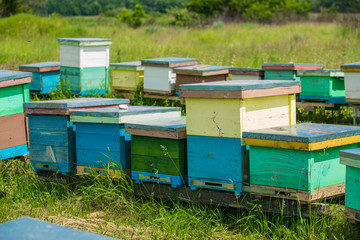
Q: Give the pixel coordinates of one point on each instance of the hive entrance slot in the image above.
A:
(282, 193)
(213, 184)
(154, 178)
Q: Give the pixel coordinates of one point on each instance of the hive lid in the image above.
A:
(11, 78)
(291, 66)
(303, 136)
(350, 157)
(169, 62)
(84, 41)
(174, 128)
(62, 107)
(247, 71)
(202, 70)
(27, 228)
(40, 67)
(351, 67)
(127, 66)
(320, 73)
(118, 115)
(240, 89)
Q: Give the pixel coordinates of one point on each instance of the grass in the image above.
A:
(110, 207)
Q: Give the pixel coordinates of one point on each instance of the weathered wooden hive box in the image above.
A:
(84, 64)
(27, 228)
(159, 77)
(52, 134)
(300, 161)
(352, 83)
(46, 76)
(101, 141)
(217, 114)
(158, 151)
(127, 76)
(286, 71)
(14, 91)
(200, 74)
(246, 73)
(351, 158)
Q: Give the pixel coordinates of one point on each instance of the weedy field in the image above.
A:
(109, 207)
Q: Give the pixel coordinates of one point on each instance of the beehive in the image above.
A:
(322, 85)
(351, 158)
(299, 162)
(217, 114)
(286, 71)
(158, 151)
(14, 91)
(52, 134)
(352, 86)
(200, 74)
(84, 64)
(246, 73)
(158, 73)
(45, 76)
(127, 76)
(101, 142)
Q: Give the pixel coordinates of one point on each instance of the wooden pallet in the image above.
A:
(294, 194)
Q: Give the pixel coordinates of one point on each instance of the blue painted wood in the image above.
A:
(28, 229)
(164, 125)
(173, 180)
(127, 66)
(75, 103)
(214, 185)
(9, 75)
(45, 82)
(239, 85)
(202, 68)
(12, 152)
(115, 112)
(38, 66)
(102, 146)
(355, 65)
(304, 132)
(167, 60)
(326, 99)
(215, 159)
(52, 143)
(351, 153)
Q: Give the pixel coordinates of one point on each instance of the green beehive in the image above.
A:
(286, 71)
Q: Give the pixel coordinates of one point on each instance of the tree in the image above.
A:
(8, 7)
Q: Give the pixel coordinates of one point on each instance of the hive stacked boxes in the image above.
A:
(351, 158)
(246, 73)
(101, 141)
(352, 86)
(52, 134)
(159, 77)
(286, 71)
(218, 113)
(200, 74)
(322, 85)
(127, 76)
(299, 162)
(14, 91)
(84, 64)
(158, 151)
(45, 76)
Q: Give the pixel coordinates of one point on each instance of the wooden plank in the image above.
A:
(169, 62)
(352, 214)
(352, 187)
(228, 199)
(40, 67)
(202, 70)
(84, 41)
(310, 106)
(12, 130)
(159, 80)
(188, 79)
(352, 87)
(351, 153)
(154, 133)
(350, 162)
(291, 66)
(350, 67)
(12, 152)
(6, 75)
(12, 82)
(130, 66)
(12, 99)
(50, 111)
(320, 73)
(247, 71)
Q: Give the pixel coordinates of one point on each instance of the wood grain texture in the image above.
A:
(13, 130)
(12, 99)
(40, 67)
(187, 79)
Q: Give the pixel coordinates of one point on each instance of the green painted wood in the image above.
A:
(304, 132)
(238, 85)
(279, 75)
(84, 41)
(295, 169)
(322, 86)
(352, 188)
(12, 99)
(165, 156)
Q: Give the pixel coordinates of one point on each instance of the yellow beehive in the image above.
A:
(127, 76)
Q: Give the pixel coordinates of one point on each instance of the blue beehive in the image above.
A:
(52, 134)
(101, 142)
(46, 76)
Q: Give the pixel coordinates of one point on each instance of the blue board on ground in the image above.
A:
(215, 163)
(9, 75)
(173, 180)
(304, 132)
(12, 152)
(28, 229)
